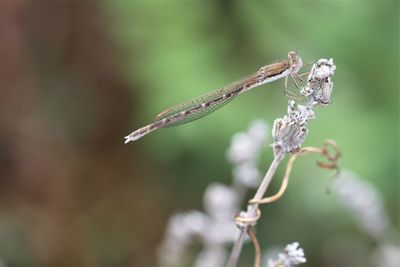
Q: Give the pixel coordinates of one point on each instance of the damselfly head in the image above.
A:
(295, 61)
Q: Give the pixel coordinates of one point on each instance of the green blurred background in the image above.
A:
(77, 76)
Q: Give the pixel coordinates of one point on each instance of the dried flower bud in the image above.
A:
(244, 152)
(364, 202)
(290, 131)
(319, 85)
(293, 255)
(220, 201)
(323, 69)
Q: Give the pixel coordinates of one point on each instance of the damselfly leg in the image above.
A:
(310, 63)
(304, 74)
(294, 80)
(291, 94)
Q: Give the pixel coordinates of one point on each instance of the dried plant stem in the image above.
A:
(284, 185)
(252, 208)
(257, 250)
(332, 164)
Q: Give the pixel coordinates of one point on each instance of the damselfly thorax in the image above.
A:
(201, 106)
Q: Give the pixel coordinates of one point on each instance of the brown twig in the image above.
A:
(283, 187)
(252, 210)
(257, 250)
(323, 151)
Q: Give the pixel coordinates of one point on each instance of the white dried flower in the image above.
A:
(319, 85)
(242, 148)
(181, 230)
(387, 255)
(211, 257)
(364, 202)
(247, 174)
(220, 201)
(293, 255)
(246, 145)
(214, 229)
(323, 69)
(258, 130)
(244, 152)
(290, 131)
(220, 233)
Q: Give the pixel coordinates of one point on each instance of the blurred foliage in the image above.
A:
(75, 77)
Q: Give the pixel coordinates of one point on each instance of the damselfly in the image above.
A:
(201, 106)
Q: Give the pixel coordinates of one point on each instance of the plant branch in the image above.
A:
(323, 151)
(257, 250)
(252, 209)
(289, 133)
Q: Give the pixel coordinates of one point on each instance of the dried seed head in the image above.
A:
(290, 131)
(292, 255)
(319, 85)
(324, 68)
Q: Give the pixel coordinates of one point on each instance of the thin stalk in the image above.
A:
(252, 208)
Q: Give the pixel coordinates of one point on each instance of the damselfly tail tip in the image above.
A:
(127, 139)
(139, 133)
(130, 138)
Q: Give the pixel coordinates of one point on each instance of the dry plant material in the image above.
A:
(289, 133)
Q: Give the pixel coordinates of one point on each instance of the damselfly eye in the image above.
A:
(292, 55)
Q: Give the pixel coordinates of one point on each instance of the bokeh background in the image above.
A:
(77, 76)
